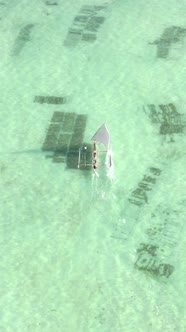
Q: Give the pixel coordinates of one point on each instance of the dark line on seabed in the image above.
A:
(23, 151)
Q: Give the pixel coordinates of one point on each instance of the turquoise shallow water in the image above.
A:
(80, 253)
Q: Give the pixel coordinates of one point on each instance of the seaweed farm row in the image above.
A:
(139, 195)
(165, 223)
(55, 100)
(162, 236)
(88, 21)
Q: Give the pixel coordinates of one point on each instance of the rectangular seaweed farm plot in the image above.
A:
(54, 129)
(51, 137)
(94, 23)
(80, 19)
(74, 36)
(72, 159)
(63, 143)
(50, 100)
(76, 142)
(152, 113)
(68, 123)
(57, 117)
(22, 38)
(89, 37)
(150, 263)
(85, 157)
(49, 143)
(80, 123)
(85, 152)
(78, 133)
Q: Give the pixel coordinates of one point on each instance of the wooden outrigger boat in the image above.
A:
(102, 137)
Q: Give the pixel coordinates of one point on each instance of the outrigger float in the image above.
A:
(102, 136)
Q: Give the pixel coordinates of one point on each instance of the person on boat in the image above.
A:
(94, 159)
(94, 163)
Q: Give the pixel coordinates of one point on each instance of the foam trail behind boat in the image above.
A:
(110, 165)
(94, 184)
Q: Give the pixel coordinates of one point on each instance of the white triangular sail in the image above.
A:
(102, 136)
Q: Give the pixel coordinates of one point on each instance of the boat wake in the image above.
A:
(102, 182)
(110, 165)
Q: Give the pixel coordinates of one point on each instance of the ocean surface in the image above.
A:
(82, 253)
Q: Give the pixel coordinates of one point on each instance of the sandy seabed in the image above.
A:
(80, 253)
